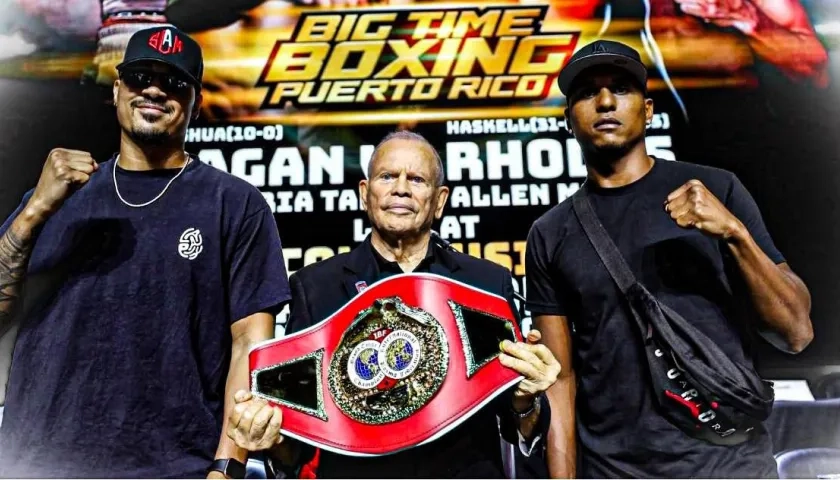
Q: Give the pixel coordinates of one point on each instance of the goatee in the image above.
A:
(149, 136)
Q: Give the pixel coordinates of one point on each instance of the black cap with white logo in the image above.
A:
(602, 52)
(168, 45)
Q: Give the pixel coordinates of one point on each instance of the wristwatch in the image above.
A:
(529, 411)
(229, 467)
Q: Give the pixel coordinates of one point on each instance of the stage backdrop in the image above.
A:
(296, 96)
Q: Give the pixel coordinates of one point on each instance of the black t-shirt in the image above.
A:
(620, 433)
(120, 365)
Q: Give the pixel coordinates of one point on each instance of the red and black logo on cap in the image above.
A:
(169, 45)
(166, 42)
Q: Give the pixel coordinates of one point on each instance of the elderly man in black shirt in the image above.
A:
(403, 195)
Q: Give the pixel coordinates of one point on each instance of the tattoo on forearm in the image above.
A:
(14, 258)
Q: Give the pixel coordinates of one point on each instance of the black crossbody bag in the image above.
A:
(697, 387)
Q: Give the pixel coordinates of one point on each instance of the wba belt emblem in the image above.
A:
(408, 359)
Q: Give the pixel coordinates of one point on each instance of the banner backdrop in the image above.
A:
(297, 94)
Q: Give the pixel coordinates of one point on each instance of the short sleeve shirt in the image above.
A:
(121, 360)
(619, 430)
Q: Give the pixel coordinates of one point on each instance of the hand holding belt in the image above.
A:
(401, 364)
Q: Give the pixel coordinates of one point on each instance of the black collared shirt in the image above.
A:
(386, 268)
(471, 450)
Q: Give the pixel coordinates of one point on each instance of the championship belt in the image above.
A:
(401, 364)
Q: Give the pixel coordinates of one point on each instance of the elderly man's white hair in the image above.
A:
(416, 137)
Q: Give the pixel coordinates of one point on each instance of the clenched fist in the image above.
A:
(254, 425)
(693, 205)
(64, 172)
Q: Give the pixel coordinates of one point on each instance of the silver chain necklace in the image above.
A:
(133, 205)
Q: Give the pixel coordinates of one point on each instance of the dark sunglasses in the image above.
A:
(168, 82)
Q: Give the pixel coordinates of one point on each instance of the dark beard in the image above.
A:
(149, 136)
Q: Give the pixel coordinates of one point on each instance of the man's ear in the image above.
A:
(197, 105)
(116, 90)
(567, 114)
(442, 195)
(363, 190)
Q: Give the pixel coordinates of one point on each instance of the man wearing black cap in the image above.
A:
(694, 237)
(140, 284)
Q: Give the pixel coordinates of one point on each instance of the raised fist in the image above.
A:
(694, 206)
(64, 172)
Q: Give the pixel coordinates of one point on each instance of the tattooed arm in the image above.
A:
(15, 249)
(65, 171)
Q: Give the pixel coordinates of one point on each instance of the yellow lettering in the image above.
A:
(343, 91)
(408, 58)
(465, 85)
(477, 50)
(497, 252)
(519, 247)
(498, 83)
(523, 63)
(470, 21)
(318, 28)
(525, 18)
(297, 62)
(336, 69)
(284, 91)
(362, 30)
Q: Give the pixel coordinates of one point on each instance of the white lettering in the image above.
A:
(519, 193)
(469, 222)
(450, 227)
(553, 151)
(329, 197)
(706, 416)
(660, 146)
(499, 199)
(285, 198)
(332, 164)
(565, 191)
(269, 199)
(497, 160)
(500, 196)
(688, 395)
(239, 166)
(365, 154)
(460, 156)
(214, 157)
(480, 199)
(348, 201)
(360, 232)
(286, 164)
(304, 202)
(577, 168)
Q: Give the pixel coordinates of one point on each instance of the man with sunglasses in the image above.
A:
(139, 285)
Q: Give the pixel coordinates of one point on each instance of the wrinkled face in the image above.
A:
(154, 102)
(607, 110)
(400, 196)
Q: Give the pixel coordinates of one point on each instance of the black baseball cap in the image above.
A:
(169, 45)
(602, 52)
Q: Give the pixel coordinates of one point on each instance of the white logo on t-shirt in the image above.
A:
(189, 246)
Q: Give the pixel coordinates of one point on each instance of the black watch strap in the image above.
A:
(229, 467)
